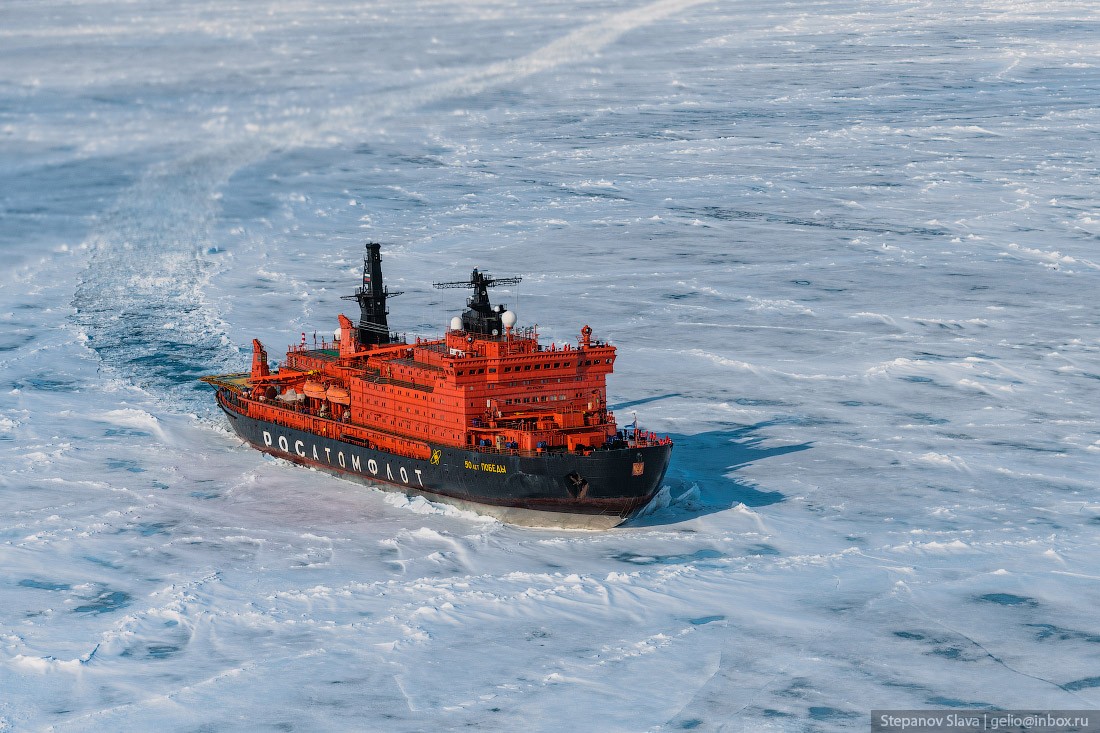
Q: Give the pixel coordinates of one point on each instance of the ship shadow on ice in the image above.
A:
(702, 476)
(634, 403)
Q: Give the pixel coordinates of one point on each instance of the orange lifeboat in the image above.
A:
(338, 395)
(316, 390)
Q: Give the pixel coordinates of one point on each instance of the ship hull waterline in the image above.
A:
(597, 491)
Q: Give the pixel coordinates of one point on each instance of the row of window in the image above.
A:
(413, 427)
(542, 398)
(529, 367)
(525, 383)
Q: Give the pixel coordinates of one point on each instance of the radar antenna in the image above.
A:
(481, 317)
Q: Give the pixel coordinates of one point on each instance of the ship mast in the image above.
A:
(481, 317)
(373, 328)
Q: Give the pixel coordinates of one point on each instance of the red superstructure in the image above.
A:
(464, 390)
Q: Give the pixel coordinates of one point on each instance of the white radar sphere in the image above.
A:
(508, 318)
(336, 335)
(456, 324)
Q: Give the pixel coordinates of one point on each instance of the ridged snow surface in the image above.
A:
(847, 251)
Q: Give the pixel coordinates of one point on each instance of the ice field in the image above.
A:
(847, 250)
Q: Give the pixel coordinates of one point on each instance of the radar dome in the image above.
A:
(508, 318)
(336, 335)
(456, 324)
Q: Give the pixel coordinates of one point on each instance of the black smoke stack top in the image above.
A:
(373, 328)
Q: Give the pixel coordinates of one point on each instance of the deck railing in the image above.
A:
(339, 430)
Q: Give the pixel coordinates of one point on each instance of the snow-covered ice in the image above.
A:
(847, 251)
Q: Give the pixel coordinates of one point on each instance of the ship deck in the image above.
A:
(236, 381)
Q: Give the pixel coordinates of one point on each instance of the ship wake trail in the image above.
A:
(579, 45)
(140, 302)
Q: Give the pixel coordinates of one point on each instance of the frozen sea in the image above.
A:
(848, 251)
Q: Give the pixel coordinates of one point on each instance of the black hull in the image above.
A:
(595, 491)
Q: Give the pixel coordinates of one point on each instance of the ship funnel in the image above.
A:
(373, 327)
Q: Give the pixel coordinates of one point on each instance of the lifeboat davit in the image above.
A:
(338, 395)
